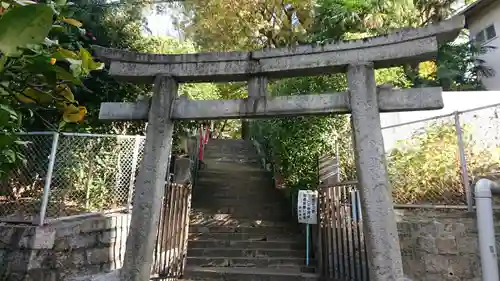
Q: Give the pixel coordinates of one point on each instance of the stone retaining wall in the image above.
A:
(436, 245)
(440, 245)
(62, 249)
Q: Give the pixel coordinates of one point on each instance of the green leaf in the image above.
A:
(52, 73)
(24, 25)
(62, 124)
(4, 119)
(65, 75)
(65, 54)
(24, 2)
(76, 67)
(88, 63)
(9, 110)
(9, 156)
(3, 60)
(61, 2)
(22, 143)
(6, 140)
(57, 28)
(35, 48)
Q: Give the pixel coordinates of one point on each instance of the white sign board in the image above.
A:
(307, 206)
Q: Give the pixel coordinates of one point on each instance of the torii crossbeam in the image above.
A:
(364, 100)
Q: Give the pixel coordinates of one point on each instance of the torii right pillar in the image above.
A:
(380, 229)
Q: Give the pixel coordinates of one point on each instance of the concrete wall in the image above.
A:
(63, 249)
(440, 245)
(485, 18)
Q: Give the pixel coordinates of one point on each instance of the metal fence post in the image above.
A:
(463, 162)
(48, 180)
(135, 159)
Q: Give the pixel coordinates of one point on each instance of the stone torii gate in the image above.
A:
(363, 100)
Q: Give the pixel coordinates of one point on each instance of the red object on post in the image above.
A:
(200, 152)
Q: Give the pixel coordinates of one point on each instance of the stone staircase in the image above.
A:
(241, 228)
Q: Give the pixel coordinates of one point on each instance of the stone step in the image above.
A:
(243, 252)
(232, 160)
(195, 228)
(270, 212)
(229, 146)
(239, 153)
(243, 194)
(201, 217)
(246, 274)
(231, 149)
(245, 262)
(243, 184)
(212, 216)
(227, 143)
(244, 236)
(244, 209)
(284, 244)
(226, 199)
(246, 214)
(222, 167)
(281, 244)
(250, 175)
(236, 186)
(231, 155)
(229, 169)
(214, 155)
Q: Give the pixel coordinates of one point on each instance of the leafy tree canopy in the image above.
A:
(295, 143)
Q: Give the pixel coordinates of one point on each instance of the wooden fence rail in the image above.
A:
(171, 247)
(341, 250)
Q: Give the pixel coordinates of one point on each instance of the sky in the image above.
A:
(161, 24)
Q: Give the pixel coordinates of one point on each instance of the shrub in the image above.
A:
(426, 167)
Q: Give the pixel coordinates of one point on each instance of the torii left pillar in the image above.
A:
(150, 185)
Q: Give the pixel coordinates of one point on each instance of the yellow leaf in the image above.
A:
(69, 107)
(72, 22)
(65, 54)
(24, 99)
(71, 115)
(427, 69)
(30, 95)
(64, 91)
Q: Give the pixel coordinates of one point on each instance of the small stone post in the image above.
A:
(257, 87)
(381, 234)
(150, 186)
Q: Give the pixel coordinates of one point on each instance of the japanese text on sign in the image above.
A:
(307, 206)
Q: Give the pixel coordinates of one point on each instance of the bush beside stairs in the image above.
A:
(241, 226)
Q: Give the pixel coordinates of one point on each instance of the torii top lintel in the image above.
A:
(396, 48)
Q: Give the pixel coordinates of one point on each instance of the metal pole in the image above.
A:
(133, 171)
(463, 162)
(486, 229)
(337, 161)
(307, 243)
(48, 180)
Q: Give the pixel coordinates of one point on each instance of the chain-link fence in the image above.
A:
(68, 174)
(437, 160)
